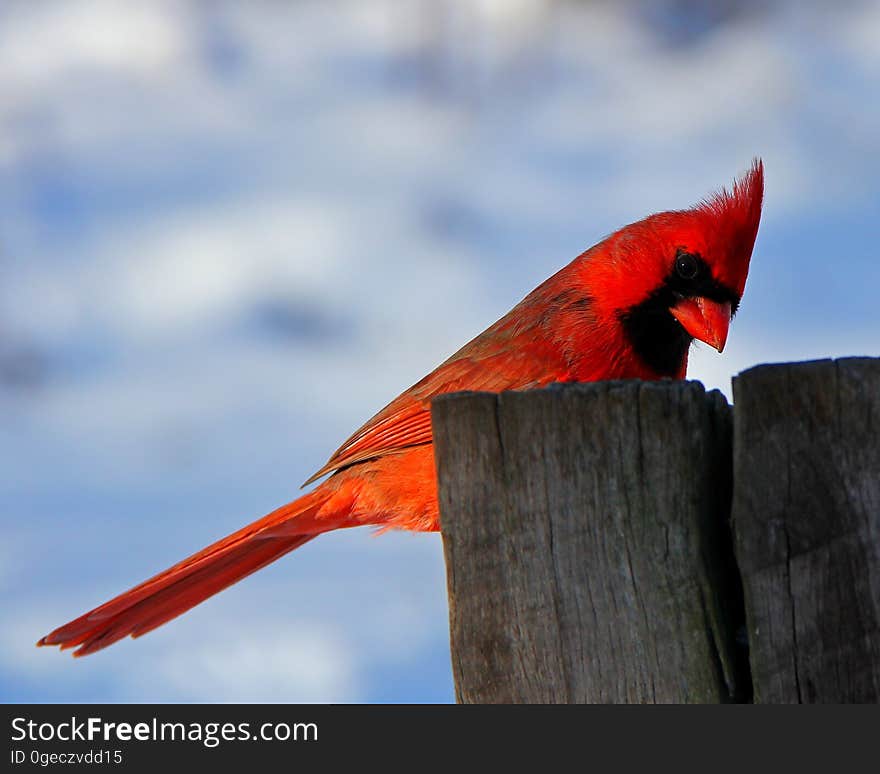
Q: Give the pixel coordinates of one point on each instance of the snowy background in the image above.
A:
(230, 232)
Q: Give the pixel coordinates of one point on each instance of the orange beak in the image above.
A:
(705, 320)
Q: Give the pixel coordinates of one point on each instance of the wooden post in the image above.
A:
(807, 523)
(587, 547)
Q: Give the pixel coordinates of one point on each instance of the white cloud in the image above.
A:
(249, 660)
(858, 31)
(282, 663)
(44, 43)
(205, 268)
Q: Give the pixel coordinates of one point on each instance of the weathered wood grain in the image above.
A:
(587, 548)
(806, 516)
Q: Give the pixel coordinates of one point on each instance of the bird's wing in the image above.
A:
(406, 421)
(408, 426)
(519, 352)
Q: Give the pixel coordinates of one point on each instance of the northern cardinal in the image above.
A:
(629, 307)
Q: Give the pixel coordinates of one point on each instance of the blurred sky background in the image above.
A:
(232, 231)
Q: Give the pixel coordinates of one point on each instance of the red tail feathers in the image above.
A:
(186, 584)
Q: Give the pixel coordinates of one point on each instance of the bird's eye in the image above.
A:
(686, 266)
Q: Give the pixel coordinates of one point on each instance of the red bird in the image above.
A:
(627, 308)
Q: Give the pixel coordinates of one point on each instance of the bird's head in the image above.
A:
(678, 276)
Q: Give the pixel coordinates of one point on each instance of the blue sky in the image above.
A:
(230, 232)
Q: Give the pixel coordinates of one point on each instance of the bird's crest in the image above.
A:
(733, 217)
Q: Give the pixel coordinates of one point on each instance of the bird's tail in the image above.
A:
(181, 587)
